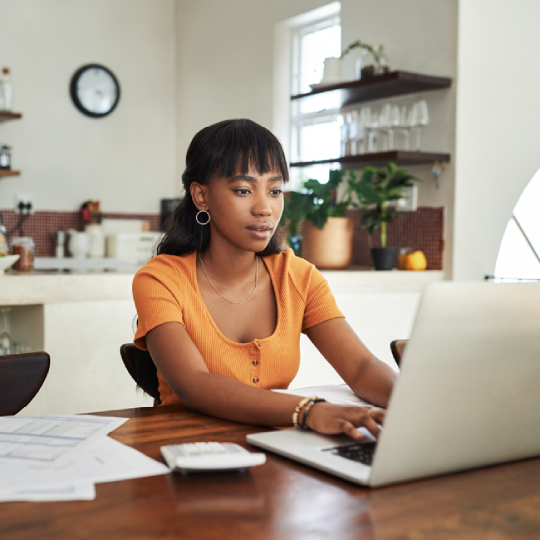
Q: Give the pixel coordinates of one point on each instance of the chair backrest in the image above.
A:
(21, 377)
(142, 369)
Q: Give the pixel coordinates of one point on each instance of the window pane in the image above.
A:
(516, 258)
(319, 141)
(527, 214)
(314, 48)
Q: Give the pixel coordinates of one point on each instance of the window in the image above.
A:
(315, 131)
(519, 254)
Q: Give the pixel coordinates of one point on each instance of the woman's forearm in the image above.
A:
(227, 398)
(374, 382)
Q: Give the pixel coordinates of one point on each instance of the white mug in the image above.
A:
(78, 244)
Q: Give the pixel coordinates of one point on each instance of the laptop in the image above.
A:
(467, 396)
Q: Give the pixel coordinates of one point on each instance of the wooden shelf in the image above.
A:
(394, 83)
(9, 172)
(7, 115)
(399, 157)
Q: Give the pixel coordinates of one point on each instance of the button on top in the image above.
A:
(255, 379)
(255, 362)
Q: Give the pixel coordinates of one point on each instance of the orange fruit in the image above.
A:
(415, 261)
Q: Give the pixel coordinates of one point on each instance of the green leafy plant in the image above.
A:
(317, 202)
(377, 53)
(374, 189)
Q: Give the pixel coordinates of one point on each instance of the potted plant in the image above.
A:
(375, 190)
(315, 223)
(379, 65)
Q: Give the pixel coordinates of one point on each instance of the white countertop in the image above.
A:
(41, 288)
(52, 288)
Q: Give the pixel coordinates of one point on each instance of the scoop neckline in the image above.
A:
(211, 319)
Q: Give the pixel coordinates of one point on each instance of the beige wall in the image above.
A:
(498, 117)
(126, 159)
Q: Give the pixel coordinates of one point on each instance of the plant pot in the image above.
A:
(331, 247)
(384, 258)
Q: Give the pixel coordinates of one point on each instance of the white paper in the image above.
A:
(106, 460)
(50, 439)
(78, 492)
(333, 393)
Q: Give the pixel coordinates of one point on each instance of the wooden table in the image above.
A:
(279, 500)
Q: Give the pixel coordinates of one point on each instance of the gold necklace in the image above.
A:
(230, 301)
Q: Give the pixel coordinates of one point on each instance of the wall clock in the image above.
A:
(95, 90)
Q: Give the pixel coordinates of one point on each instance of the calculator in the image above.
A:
(210, 456)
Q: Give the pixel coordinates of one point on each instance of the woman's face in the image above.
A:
(245, 209)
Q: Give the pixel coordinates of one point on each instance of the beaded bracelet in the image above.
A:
(299, 408)
(302, 424)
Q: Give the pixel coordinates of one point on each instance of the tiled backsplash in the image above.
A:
(423, 230)
(41, 226)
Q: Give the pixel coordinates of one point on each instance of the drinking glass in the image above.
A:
(404, 124)
(395, 122)
(5, 336)
(344, 135)
(421, 120)
(353, 132)
(364, 122)
(385, 126)
(372, 125)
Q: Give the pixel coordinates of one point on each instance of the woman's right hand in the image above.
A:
(331, 419)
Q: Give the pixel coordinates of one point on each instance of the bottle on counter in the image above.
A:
(6, 90)
(24, 247)
(60, 243)
(3, 237)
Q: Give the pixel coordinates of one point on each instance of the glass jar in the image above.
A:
(24, 247)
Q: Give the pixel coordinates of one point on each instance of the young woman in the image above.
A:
(222, 306)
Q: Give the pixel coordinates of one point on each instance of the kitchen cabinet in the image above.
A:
(392, 84)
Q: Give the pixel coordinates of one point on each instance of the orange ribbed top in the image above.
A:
(166, 290)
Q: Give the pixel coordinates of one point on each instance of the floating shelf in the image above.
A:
(399, 157)
(8, 115)
(8, 172)
(394, 83)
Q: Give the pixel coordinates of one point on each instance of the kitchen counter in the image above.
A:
(81, 320)
(50, 288)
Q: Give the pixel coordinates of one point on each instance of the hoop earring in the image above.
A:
(200, 222)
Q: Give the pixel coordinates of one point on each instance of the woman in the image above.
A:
(222, 306)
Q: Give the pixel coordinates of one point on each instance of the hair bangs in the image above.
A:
(241, 144)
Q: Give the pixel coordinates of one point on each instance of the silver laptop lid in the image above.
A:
(469, 390)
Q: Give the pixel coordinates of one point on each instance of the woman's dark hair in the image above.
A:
(226, 148)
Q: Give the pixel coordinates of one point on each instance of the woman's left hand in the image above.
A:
(331, 419)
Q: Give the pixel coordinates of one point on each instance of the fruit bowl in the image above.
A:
(6, 261)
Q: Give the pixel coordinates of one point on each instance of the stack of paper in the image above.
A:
(333, 393)
(46, 458)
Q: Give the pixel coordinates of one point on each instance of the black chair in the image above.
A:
(142, 369)
(21, 377)
(398, 347)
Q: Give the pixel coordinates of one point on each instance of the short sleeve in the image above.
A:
(320, 302)
(157, 301)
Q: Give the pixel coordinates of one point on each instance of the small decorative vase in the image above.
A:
(97, 240)
(330, 247)
(384, 258)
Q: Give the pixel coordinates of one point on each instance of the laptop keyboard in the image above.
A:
(361, 452)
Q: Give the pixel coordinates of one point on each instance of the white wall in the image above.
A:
(127, 160)
(225, 66)
(498, 115)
